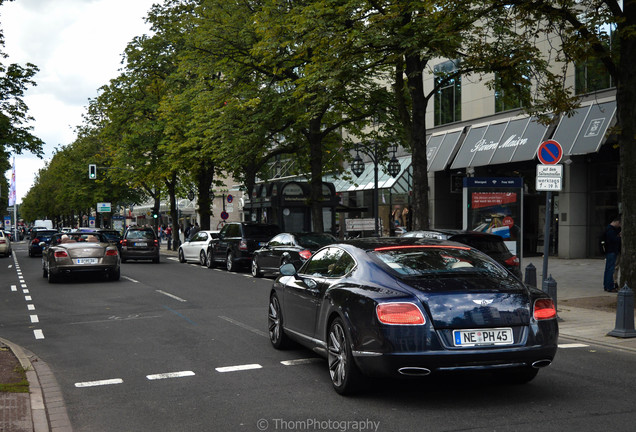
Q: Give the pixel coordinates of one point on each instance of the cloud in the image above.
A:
(78, 47)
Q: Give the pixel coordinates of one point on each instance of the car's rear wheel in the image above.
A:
(115, 275)
(345, 376)
(229, 262)
(202, 258)
(256, 270)
(52, 278)
(181, 256)
(277, 335)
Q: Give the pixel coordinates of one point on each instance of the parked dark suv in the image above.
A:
(237, 242)
(490, 244)
(140, 244)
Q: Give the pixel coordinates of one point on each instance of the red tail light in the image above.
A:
(124, 243)
(512, 261)
(305, 254)
(35, 241)
(544, 309)
(2, 241)
(156, 243)
(243, 245)
(60, 254)
(399, 313)
(111, 252)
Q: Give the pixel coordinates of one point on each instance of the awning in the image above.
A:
(440, 148)
(366, 180)
(583, 133)
(512, 140)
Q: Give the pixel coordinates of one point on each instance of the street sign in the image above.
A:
(224, 215)
(549, 178)
(550, 152)
(103, 207)
(230, 198)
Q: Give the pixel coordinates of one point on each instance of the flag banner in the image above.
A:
(12, 194)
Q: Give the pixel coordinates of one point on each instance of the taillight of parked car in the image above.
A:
(111, 252)
(512, 261)
(35, 241)
(305, 254)
(399, 314)
(544, 309)
(60, 254)
(156, 243)
(243, 245)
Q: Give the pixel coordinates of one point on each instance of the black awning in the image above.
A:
(585, 131)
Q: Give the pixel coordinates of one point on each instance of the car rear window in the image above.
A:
(140, 234)
(421, 260)
(486, 245)
(314, 240)
(261, 230)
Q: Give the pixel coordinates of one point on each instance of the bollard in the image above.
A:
(550, 288)
(531, 275)
(624, 314)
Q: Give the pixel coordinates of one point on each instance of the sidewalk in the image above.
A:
(586, 312)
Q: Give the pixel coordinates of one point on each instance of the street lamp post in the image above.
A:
(357, 167)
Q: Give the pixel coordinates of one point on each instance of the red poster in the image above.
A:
(488, 199)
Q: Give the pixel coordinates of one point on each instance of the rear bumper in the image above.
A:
(401, 364)
(127, 253)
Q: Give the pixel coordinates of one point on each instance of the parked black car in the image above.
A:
(490, 244)
(295, 248)
(38, 237)
(410, 307)
(140, 243)
(237, 242)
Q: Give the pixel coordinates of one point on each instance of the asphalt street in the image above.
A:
(179, 347)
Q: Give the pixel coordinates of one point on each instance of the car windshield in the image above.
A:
(140, 234)
(77, 238)
(422, 260)
(312, 240)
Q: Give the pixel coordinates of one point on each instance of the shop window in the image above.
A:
(448, 107)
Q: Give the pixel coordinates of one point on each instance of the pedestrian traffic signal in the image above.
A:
(92, 171)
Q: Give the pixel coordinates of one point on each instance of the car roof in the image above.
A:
(458, 232)
(371, 243)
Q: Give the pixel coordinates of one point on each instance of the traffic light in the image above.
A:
(92, 171)
(155, 215)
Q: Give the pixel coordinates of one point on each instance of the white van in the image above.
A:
(44, 223)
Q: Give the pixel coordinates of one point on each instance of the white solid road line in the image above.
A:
(171, 296)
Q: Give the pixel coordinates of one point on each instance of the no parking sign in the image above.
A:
(550, 152)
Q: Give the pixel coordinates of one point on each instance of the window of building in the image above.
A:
(448, 98)
(591, 76)
(509, 95)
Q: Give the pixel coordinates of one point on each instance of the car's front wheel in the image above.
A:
(52, 278)
(345, 376)
(202, 258)
(181, 256)
(277, 335)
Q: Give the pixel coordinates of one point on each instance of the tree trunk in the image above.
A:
(315, 185)
(420, 207)
(626, 115)
(205, 177)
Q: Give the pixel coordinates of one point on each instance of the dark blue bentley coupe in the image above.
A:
(412, 307)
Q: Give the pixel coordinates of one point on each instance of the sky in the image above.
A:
(78, 47)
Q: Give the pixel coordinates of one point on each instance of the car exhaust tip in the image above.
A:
(541, 364)
(414, 371)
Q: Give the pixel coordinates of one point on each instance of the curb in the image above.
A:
(42, 387)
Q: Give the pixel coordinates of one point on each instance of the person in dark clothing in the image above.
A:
(612, 246)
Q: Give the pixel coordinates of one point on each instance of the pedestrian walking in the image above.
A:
(611, 246)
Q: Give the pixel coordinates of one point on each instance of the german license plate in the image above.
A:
(86, 261)
(478, 337)
(141, 244)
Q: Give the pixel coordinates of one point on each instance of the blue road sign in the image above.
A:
(550, 152)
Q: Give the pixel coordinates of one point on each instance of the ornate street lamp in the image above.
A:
(357, 167)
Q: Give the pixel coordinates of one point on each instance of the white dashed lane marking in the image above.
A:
(238, 368)
(170, 375)
(573, 345)
(99, 383)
